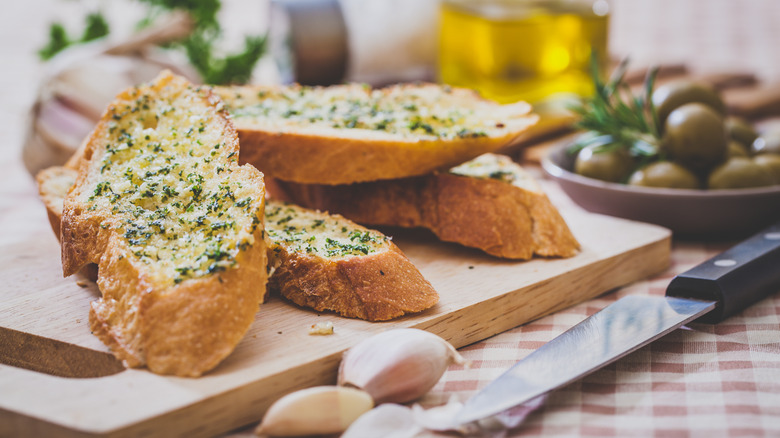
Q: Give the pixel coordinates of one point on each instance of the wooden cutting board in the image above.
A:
(480, 296)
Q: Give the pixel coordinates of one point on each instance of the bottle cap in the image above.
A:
(308, 41)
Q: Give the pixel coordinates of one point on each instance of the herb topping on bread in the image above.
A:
(410, 112)
(310, 232)
(327, 262)
(174, 224)
(490, 203)
(362, 134)
(498, 167)
(341, 252)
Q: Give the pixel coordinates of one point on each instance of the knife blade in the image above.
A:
(709, 293)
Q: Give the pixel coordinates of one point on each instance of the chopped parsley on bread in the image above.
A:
(352, 133)
(489, 203)
(328, 263)
(174, 224)
(316, 260)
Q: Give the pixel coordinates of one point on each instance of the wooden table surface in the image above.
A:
(713, 381)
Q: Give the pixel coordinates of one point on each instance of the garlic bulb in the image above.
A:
(79, 82)
(315, 411)
(398, 365)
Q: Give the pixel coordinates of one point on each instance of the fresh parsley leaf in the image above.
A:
(96, 27)
(204, 12)
(199, 46)
(235, 68)
(58, 40)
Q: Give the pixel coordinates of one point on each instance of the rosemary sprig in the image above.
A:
(616, 118)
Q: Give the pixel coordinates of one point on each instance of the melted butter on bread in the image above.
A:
(171, 192)
(328, 263)
(174, 225)
(312, 232)
(409, 111)
(498, 167)
(360, 134)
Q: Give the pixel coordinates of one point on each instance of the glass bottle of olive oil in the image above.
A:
(530, 50)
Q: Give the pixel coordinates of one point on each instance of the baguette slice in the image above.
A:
(53, 185)
(327, 262)
(360, 134)
(489, 203)
(174, 224)
(370, 280)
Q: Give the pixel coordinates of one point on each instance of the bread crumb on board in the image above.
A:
(321, 328)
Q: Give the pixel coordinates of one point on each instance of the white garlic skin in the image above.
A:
(315, 411)
(397, 366)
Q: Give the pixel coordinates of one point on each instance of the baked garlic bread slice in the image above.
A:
(322, 261)
(174, 224)
(351, 133)
(326, 262)
(489, 203)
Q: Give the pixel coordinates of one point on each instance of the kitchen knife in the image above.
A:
(710, 292)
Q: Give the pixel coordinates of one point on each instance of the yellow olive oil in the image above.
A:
(512, 50)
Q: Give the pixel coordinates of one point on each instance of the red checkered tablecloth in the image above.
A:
(702, 380)
(698, 381)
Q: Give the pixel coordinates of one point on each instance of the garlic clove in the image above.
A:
(61, 125)
(398, 365)
(315, 411)
(80, 81)
(88, 86)
(385, 421)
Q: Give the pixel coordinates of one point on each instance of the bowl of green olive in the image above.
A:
(671, 157)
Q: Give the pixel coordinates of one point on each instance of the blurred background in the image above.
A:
(706, 34)
(508, 50)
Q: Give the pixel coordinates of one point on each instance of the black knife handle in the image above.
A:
(736, 278)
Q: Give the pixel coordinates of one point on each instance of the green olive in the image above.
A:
(613, 164)
(767, 143)
(664, 174)
(695, 136)
(736, 149)
(737, 173)
(673, 95)
(740, 130)
(770, 163)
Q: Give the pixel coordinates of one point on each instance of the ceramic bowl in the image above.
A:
(699, 214)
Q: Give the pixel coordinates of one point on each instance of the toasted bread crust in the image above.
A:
(285, 149)
(186, 330)
(349, 160)
(184, 327)
(53, 185)
(496, 217)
